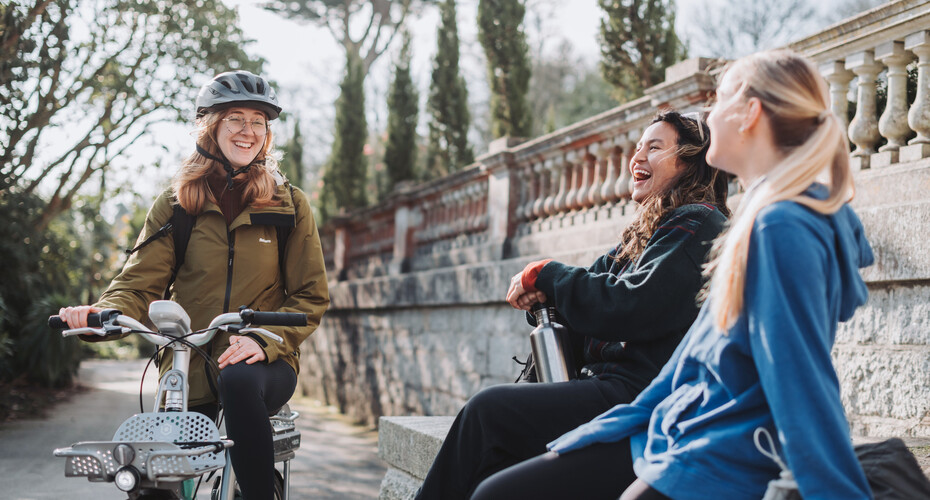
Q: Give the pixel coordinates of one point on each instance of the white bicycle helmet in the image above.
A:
(237, 88)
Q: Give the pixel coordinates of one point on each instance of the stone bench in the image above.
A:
(408, 445)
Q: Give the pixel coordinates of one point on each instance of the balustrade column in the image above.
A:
(482, 219)
(893, 122)
(558, 203)
(622, 187)
(599, 165)
(527, 192)
(341, 251)
(474, 211)
(555, 185)
(863, 129)
(589, 163)
(919, 116)
(839, 77)
(614, 157)
(573, 177)
(543, 176)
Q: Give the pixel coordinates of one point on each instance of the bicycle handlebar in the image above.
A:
(97, 324)
(56, 323)
(273, 318)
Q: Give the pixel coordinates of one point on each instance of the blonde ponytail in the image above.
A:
(812, 143)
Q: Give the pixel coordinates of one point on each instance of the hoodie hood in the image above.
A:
(853, 252)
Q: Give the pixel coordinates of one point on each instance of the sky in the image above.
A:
(307, 64)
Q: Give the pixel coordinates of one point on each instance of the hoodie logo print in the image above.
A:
(263, 240)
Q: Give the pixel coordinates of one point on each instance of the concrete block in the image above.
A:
(883, 159)
(398, 485)
(411, 443)
(914, 152)
(898, 235)
(896, 315)
(859, 163)
(885, 389)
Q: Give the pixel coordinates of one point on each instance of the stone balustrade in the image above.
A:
(883, 41)
(418, 323)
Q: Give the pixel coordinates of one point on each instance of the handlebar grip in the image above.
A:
(279, 318)
(56, 323)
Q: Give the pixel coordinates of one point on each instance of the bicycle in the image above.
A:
(159, 454)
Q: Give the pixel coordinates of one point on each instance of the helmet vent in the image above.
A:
(246, 83)
(260, 87)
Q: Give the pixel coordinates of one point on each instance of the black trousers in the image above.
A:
(506, 424)
(249, 394)
(602, 471)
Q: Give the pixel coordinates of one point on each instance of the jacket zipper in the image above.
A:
(231, 238)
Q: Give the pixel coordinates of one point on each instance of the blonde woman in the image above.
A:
(758, 355)
(232, 185)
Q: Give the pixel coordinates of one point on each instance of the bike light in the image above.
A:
(127, 478)
(123, 454)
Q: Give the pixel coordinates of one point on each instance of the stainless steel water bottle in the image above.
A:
(550, 347)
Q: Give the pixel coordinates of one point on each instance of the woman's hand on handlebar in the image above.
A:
(519, 298)
(76, 317)
(241, 348)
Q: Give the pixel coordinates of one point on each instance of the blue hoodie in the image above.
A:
(691, 430)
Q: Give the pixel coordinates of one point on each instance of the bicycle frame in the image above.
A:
(159, 450)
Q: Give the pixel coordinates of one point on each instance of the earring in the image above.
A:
(742, 130)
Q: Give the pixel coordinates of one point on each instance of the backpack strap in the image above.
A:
(183, 225)
(283, 233)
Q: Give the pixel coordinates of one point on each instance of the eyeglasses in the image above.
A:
(236, 124)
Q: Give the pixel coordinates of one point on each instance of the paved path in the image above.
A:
(337, 460)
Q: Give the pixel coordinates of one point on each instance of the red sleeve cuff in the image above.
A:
(530, 273)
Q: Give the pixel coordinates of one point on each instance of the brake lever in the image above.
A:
(262, 331)
(100, 332)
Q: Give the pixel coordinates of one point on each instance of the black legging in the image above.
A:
(506, 424)
(249, 394)
(600, 471)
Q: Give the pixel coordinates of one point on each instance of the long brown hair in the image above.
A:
(698, 183)
(190, 183)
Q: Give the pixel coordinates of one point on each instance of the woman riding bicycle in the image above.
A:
(232, 186)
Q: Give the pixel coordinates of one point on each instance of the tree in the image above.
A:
(293, 162)
(735, 28)
(345, 178)
(504, 42)
(638, 42)
(565, 89)
(400, 152)
(381, 20)
(72, 105)
(447, 105)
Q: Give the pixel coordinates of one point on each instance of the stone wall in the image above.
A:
(418, 323)
(423, 342)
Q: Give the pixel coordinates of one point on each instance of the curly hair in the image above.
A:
(698, 183)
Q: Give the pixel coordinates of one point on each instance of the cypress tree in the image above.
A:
(506, 50)
(638, 42)
(447, 105)
(400, 152)
(346, 172)
(292, 165)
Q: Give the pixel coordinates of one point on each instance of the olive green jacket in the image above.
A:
(226, 267)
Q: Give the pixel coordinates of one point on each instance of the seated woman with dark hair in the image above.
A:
(757, 360)
(627, 311)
